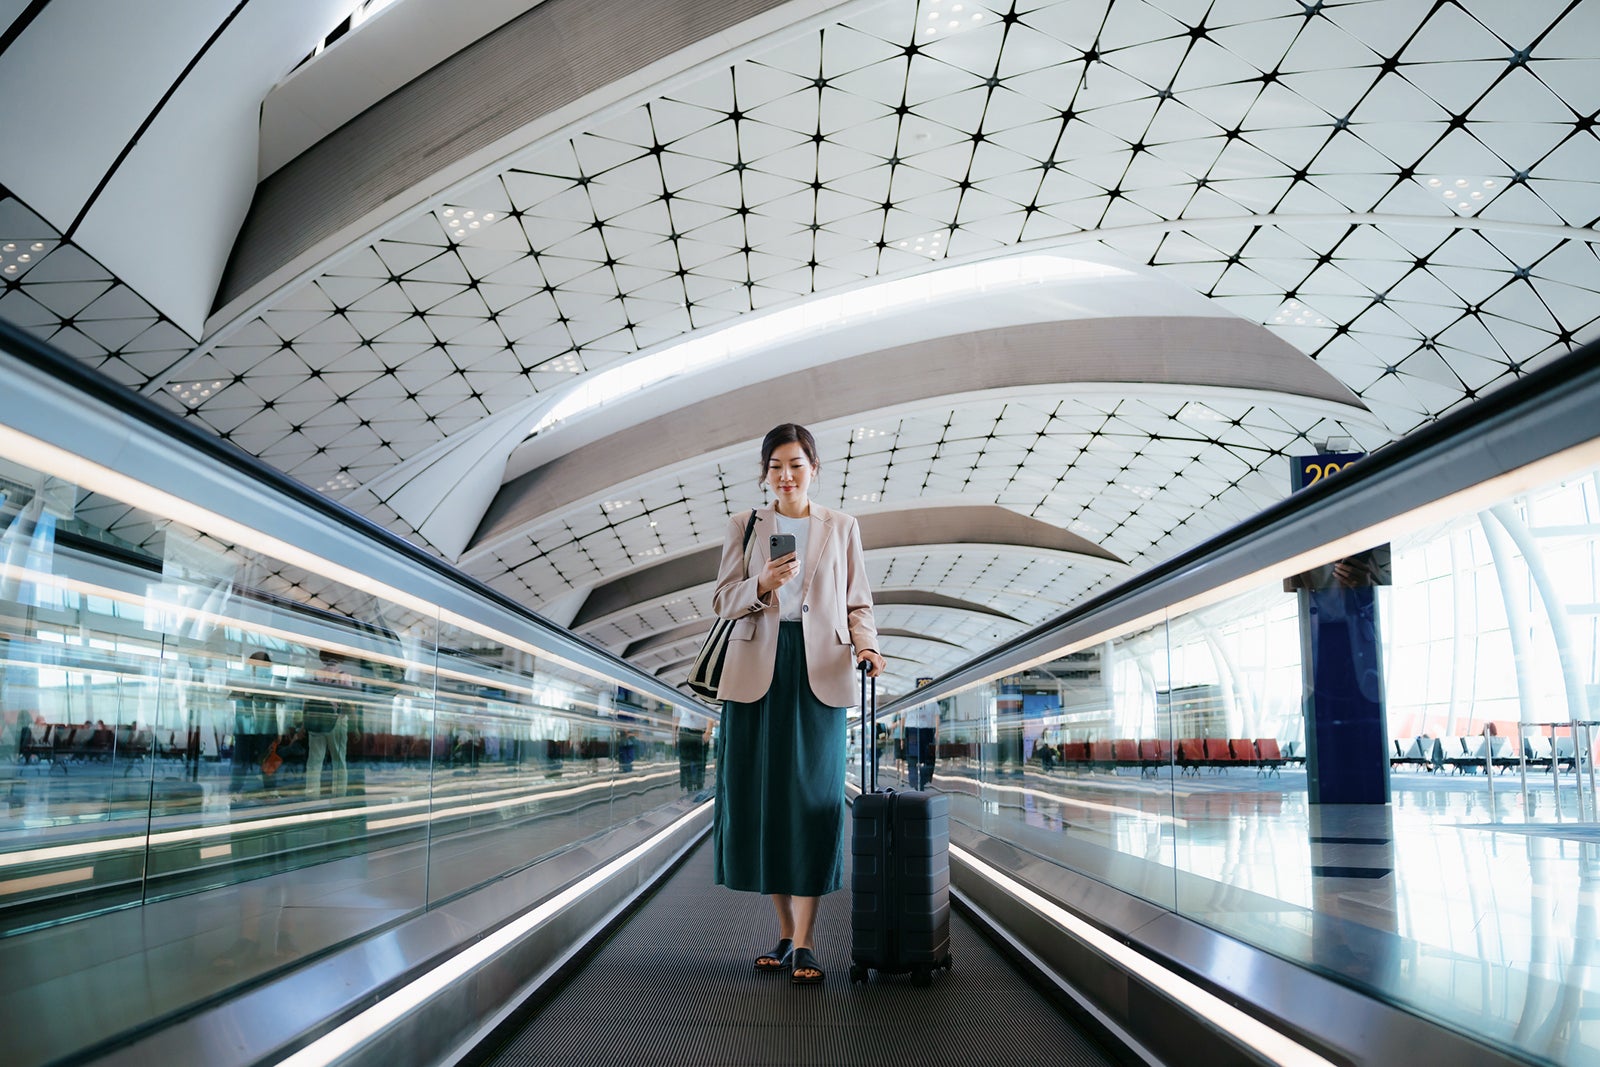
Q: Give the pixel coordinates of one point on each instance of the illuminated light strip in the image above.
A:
(86, 474)
(348, 1036)
(45, 881)
(405, 820)
(168, 838)
(865, 302)
(15, 572)
(1111, 809)
(1261, 1038)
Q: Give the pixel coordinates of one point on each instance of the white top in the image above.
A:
(923, 716)
(689, 719)
(789, 593)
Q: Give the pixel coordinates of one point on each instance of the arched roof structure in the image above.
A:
(1350, 217)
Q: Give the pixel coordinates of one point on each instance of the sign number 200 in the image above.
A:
(1319, 471)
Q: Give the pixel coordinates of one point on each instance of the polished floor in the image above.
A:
(1480, 911)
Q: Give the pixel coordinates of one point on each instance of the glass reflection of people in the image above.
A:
(327, 724)
(255, 725)
(922, 740)
(694, 731)
(802, 622)
(16, 735)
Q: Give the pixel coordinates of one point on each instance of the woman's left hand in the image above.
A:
(878, 664)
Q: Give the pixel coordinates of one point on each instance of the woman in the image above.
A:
(787, 680)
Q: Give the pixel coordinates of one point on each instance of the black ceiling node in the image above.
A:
(1521, 56)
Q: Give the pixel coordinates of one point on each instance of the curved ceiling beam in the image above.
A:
(913, 635)
(698, 628)
(1165, 350)
(559, 63)
(982, 524)
(881, 598)
(664, 671)
(922, 598)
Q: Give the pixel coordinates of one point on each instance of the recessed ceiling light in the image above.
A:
(1200, 413)
(609, 506)
(1297, 313)
(868, 498)
(339, 482)
(192, 393)
(931, 245)
(1463, 194)
(862, 433)
(945, 19)
(460, 221)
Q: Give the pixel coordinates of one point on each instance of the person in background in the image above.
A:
(255, 724)
(694, 731)
(922, 739)
(327, 724)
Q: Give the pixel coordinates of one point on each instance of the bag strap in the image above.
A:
(749, 528)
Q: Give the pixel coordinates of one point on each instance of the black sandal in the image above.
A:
(777, 959)
(802, 959)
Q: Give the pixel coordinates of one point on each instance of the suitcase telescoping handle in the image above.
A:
(869, 728)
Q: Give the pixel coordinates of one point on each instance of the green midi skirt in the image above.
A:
(778, 825)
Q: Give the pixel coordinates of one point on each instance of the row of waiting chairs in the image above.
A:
(1467, 753)
(1189, 754)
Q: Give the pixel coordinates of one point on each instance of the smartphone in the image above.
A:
(780, 545)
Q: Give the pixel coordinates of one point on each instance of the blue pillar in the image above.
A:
(1347, 734)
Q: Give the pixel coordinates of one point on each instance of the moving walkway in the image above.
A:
(479, 886)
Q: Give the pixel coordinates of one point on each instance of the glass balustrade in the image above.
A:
(1174, 759)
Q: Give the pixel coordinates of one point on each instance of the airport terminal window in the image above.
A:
(1170, 760)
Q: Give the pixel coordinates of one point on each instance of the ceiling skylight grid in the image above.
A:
(693, 209)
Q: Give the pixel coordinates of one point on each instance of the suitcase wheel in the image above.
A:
(922, 975)
(947, 963)
(858, 973)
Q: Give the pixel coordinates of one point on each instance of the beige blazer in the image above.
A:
(836, 608)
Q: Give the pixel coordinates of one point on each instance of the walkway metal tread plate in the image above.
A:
(676, 986)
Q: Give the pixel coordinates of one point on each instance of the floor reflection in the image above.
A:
(1467, 900)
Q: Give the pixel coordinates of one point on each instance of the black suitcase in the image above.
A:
(900, 877)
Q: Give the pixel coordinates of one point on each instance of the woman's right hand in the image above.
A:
(777, 572)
